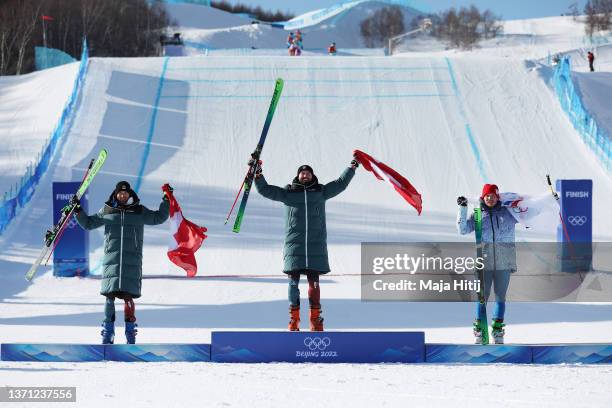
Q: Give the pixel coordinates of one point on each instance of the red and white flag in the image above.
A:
(384, 172)
(187, 237)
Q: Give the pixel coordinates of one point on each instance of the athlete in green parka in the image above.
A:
(123, 218)
(305, 250)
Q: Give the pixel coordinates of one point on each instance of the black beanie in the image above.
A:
(123, 186)
(305, 167)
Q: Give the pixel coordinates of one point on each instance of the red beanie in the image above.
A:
(490, 189)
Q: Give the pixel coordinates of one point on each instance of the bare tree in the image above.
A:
(572, 10)
(598, 16)
(466, 27)
(382, 25)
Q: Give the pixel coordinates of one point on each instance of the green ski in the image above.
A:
(482, 323)
(52, 236)
(248, 180)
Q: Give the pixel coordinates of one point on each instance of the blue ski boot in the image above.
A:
(108, 332)
(130, 332)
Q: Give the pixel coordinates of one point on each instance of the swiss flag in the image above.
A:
(384, 172)
(187, 237)
(47, 18)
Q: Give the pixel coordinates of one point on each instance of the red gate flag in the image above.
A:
(384, 172)
(187, 237)
(47, 18)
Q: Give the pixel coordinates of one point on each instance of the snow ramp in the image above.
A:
(448, 125)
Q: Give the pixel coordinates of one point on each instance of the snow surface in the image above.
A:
(409, 111)
(30, 108)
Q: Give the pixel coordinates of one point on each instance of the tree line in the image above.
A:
(462, 28)
(257, 12)
(113, 28)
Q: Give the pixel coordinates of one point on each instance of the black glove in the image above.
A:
(462, 201)
(167, 189)
(258, 172)
(354, 163)
(74, 201)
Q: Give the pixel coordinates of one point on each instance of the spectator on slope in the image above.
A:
(591, 58)
(498, 225)
(331, 50)
(305, 251)
(298, 39)
(295, 50)
(289, 40)
(123, 218)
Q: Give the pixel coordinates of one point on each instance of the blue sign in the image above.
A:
(575, 232)
(573, 353)
(318, 347)
(71, 256)
(477, 354)
(52, 352)
(157, 352)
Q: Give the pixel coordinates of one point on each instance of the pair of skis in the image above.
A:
(53, 235)
(255, 162)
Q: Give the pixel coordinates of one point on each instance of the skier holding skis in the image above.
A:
(123, 218)
(305, 251)
(497, 231)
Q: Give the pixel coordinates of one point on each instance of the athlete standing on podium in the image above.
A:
(305, 251)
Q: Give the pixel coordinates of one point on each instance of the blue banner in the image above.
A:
(575, 232)
(52, 352)
(477, 354)
(318, 347)
(71, 256)
(157, 352)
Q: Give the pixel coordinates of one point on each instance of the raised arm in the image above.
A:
(150, 217)
(465, 223)
(89, 222)
(273, 193)
(337, 186)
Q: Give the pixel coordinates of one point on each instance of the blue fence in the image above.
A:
(21, 194)
(584, 123)
(50, 57)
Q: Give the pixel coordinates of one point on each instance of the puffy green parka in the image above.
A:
(305, 228)
(123, 240)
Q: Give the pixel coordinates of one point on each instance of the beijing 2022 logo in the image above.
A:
(577, 220)
(316, 347)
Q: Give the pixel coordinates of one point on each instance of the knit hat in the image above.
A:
(305, 167)
(490, 189)
(123, 186)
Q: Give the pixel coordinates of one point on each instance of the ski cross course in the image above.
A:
(447, 120)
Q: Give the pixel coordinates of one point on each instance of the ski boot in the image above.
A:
(316, 321)
(294, 315)
(497, 331)
(108, 332)
(480, 333)
(130, 332)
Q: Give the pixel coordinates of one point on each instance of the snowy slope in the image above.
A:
(402, 111)
(595, 89)
(343, 28)
(410, 111)
(31, 106)
(187, 16)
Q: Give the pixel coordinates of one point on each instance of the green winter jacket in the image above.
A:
(123, 239)
(305, 229)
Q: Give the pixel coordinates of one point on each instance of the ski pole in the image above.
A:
(236, 199)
